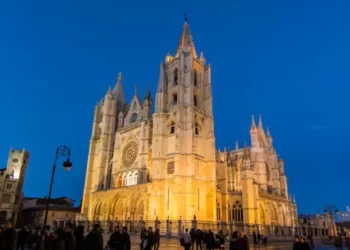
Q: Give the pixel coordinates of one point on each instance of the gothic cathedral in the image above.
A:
(162, 169)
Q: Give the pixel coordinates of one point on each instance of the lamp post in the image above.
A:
(331, 209)
(60, 151)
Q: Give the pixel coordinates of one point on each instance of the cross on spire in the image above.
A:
(186, 17)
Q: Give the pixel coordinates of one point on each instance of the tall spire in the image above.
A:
(118, 89)
(246, 153)
(161, 82)
(253, 125)
(260, 122)
(186, 40)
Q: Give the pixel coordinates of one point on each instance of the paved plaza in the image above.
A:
(173, 243)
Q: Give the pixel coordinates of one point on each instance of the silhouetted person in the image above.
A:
(22, 238)
(9, 234)
(79, 237)
(115, 240)
(94, 240)
(126, 243)
(156, 239)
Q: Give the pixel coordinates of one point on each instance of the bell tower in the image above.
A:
(183, 147)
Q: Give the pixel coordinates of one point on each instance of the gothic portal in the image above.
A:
(162, 169)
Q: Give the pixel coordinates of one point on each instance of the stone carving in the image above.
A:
(129, 153)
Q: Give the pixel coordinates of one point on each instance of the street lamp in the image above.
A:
(67, 164)
(331, 209)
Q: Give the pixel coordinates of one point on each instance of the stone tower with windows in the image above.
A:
(11, 184)
(183, 143)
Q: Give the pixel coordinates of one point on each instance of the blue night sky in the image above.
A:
(286, 60)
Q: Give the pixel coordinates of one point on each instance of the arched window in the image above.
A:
(6, 198)
(195, 103)
(120, 181)
(218, 211)
(195, 78)
(135, 178)
(129, 180)
(176, 77)
(125, 181)
(196, 129)
(229, 213)
(174, 99)
(237, 212)
(172, 128)
(133, 118)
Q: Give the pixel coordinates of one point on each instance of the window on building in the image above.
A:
(195, 103)
(9, 186)
(176, 76)
(133, 118)
(195, 78)
(174, 99)
(134, 182)
(229, 214)
(218, 212)
(237, 212)
(6, 198)
(196, 129)
(172, 128)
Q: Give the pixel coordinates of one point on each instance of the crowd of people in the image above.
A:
(200, 239)
(73, 238)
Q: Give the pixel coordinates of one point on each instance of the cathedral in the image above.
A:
(161, 168)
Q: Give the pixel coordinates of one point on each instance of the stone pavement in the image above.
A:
(173, 243)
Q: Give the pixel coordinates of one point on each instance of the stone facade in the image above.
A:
(11, 184)
(162, 169)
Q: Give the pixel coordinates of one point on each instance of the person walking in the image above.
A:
(186, 240)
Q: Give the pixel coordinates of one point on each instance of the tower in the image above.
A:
(106, 121)
(11, 184)
(249, 192)
(183, 143)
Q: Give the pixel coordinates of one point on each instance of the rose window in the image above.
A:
(129, 153)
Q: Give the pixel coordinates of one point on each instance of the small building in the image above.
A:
(61, 211)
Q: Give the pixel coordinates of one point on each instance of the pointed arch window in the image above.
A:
(174, 99)
(195, 100)
(172, 128)
(195, 78)
(134, 182)
(237, 212)
(120, 181)
(133, 118)
(196, 129)
(176, 77)
(218, 212)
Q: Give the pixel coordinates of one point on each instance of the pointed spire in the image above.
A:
(186, 40)
(268, 132)
(148, 96)
(118, 91)
(260, 122)
(253, 126)
(246, 152)
(161, 82)
(109, 93)
(237, 147)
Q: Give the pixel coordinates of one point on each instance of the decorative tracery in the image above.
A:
(130, 152)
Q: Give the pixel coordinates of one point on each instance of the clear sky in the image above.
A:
(286, 60)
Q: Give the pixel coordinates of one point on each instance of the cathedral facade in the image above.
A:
(161, 169)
